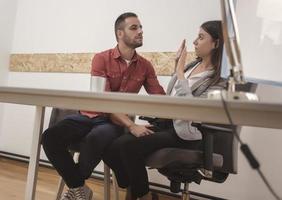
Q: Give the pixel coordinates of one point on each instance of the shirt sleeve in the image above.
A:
(99, 69)
(152, 85)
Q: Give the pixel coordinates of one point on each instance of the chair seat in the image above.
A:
(167, 156)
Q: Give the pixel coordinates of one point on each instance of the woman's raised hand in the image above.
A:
(179, 51)
(181, 63)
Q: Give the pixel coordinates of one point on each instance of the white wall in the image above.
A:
(18, 140)
(73, 26)
(7, 21)
(87, 26)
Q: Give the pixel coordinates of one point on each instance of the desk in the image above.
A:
(261, 114)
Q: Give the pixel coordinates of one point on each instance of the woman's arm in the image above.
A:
(182, 86)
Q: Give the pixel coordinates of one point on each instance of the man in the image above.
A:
(125, 71)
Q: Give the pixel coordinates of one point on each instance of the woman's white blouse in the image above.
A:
(183, 128)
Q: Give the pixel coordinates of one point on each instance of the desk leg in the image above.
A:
(115, 186)
(34, 154)
(107, 183)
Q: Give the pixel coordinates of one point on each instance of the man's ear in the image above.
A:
(119, 33)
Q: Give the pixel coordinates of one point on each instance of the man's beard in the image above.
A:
(132, 44)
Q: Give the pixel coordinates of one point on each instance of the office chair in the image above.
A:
(57, 115)
(214, 162)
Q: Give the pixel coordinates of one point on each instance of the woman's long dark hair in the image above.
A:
(214, 29)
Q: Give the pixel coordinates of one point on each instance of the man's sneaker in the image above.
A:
(79, 193)
(83, 193)
(69, 195)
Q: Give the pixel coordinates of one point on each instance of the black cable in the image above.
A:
(247, 151)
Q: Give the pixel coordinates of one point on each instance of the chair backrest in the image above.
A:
(59, 114)
(225, 143)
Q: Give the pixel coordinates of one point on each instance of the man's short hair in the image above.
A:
(120, 21)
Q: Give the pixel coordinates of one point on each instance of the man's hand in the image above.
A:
(135, 129)
(140, 130)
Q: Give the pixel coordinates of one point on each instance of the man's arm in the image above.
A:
(135, 129)
(99, 69)
(152, 85)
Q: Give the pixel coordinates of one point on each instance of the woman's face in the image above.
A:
(204, 44)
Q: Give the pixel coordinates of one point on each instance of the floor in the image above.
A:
(13, 179)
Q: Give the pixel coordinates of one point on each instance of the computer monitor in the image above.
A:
(260, 31)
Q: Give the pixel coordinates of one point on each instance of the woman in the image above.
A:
(126, 156)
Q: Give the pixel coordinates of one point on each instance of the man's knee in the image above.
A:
(50, 137)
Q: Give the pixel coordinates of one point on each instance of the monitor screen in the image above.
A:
(260, 34)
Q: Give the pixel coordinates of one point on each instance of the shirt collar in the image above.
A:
(117, 54)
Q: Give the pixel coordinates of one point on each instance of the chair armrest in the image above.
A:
(213, 127)
(148, 119)
(208, 151)
(209, 130)
(207, 148)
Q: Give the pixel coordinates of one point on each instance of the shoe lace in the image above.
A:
(69, 195)
(80, 193)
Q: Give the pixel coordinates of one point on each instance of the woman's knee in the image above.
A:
(111, 155)
(113, 151)
(129, 148)
(105, 133)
